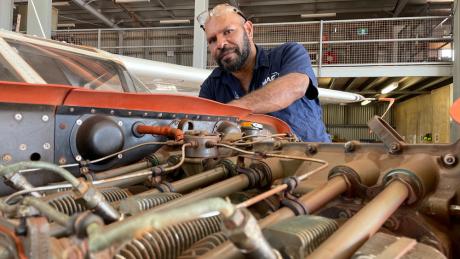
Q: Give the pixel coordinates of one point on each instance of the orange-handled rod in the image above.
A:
(177, 134)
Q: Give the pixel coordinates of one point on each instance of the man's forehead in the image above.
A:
(216, 23)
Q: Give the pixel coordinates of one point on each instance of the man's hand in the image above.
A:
(276, 95)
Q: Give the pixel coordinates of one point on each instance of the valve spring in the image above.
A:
(68, 205)
(114, 194)
(64, 189)
(148, 202)
(316, 234)
(203, 246)
(170, 242)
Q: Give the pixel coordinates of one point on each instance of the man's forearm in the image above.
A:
(276, 95)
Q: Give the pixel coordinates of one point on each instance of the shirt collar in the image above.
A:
(261, 61)
(261, 58)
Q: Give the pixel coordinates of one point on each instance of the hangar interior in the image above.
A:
(145, 176)
(355, 46)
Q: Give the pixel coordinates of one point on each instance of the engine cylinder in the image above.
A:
(170, 242)
(67, 204)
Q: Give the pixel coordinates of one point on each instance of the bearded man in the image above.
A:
(278, 82)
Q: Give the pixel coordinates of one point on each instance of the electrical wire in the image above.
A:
(262, 139)
(103, 181)
(273, 155)
(109, 156)
(182, 160)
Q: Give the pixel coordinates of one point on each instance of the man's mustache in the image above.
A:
(226, 51)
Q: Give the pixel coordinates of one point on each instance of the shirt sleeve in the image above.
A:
(206, 91)
(295, 59)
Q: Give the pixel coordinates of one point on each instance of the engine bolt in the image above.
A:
(45, 118)
(449, 160)
(71, 109)
(93, 111)
(22, 147)
(120, 123)
(311, 149)
(46, 146)
(7, 157)
(120, 156)
(112, 112)
(78, 158)
(343, 215)
(62, 161)
(18, 116)
(349, 146)
(79, 122)
(394, 147)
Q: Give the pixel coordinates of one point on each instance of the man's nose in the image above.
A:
(221, 42)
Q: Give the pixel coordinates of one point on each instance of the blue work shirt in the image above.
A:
(304, 116)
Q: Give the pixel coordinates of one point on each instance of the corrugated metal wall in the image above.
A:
(425, 115)
(350, 122)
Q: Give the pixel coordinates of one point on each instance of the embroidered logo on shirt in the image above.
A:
(270, 78)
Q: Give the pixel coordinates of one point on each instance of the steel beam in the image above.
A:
(454, 127)
(199, 39)
(39, 15)
(6, 14)
(400, 7)
(394, 70)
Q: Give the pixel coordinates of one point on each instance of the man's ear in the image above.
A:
(249, 28)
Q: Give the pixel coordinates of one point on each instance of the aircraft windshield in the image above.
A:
(57, 66)
(7, 72)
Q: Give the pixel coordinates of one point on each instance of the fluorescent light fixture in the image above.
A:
(174, 21)
(390, 88)
(129, 1)
(67, 25)
(365, 102)
(64, 3)
(318, 15)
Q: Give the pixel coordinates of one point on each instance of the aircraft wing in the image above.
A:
(170, 78)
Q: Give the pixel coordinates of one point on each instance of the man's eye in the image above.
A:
(228, 32)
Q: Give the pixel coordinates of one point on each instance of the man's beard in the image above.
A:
(241, 56)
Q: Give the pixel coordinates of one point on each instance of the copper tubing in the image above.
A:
(182, 160)
(177, 134)
(273, 155)
(344, 242)
(277, 189)
(261, 196)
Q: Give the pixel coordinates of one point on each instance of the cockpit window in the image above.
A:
(57, 66)
(7, 73)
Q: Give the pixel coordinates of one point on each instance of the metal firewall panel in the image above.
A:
(27, 133)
